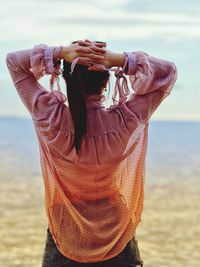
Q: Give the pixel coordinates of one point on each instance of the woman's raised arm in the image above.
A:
(152, 79)
(27, 66)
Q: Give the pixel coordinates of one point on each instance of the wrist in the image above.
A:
(64, 52)
(118, 60)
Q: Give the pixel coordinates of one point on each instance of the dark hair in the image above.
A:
(82, 82)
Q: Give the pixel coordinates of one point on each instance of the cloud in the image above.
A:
(112, 20)
(191, 7)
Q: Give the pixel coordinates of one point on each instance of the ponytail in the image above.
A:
(80, 83)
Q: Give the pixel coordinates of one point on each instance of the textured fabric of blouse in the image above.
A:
(93, 201)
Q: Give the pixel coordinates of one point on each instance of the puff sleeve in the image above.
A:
(152, 79)
(26, 67)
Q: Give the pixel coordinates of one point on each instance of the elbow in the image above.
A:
(172, 77)
(10, 59)
(173, 72)
(172, 69)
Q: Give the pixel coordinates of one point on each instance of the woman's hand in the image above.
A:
(88, 52)
(110, 59)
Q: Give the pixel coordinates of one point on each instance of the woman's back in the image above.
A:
(94, 198)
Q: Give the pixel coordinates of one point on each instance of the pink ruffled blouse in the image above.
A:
(93, 201)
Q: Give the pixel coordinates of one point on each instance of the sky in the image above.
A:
(169, 30)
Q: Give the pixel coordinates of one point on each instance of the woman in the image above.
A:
(92, 157)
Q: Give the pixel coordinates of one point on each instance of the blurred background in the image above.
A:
(169, 231)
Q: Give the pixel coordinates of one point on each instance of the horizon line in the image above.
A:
(151, 120)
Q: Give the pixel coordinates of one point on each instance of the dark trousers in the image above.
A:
(129, 257)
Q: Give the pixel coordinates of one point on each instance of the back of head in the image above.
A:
(82, 82)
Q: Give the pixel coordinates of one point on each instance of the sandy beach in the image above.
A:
(168, 234)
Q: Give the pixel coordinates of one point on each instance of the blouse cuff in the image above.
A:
(42, 61)
(132, 63)
(48, 59)
(57, 52)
